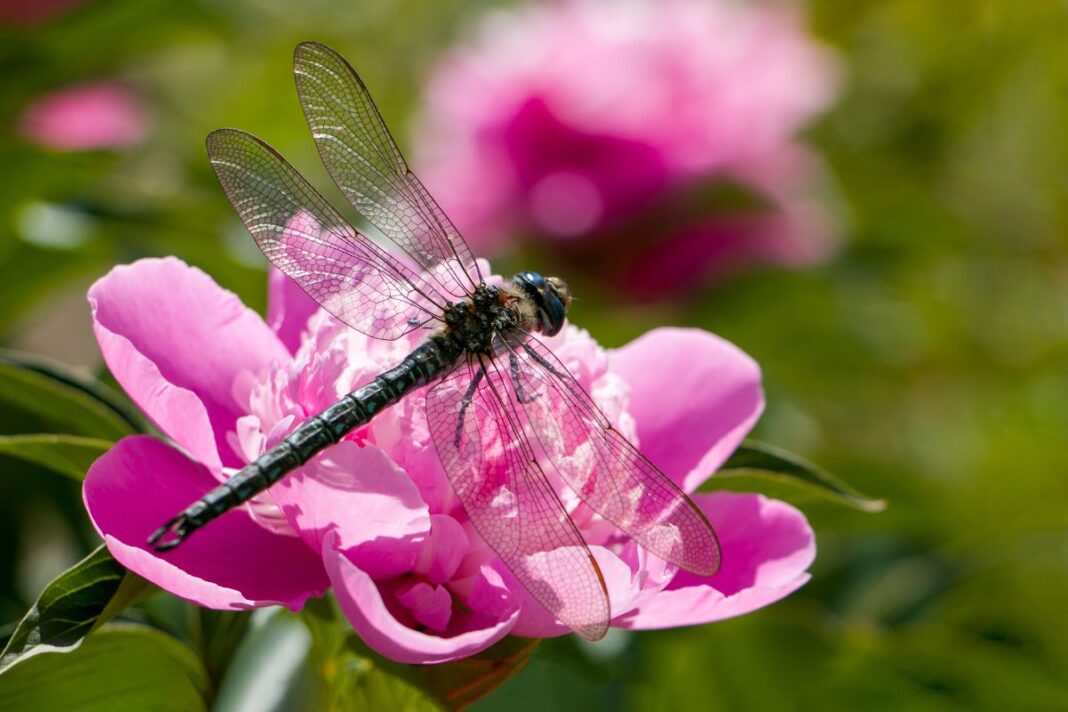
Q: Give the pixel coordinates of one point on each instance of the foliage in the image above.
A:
(121, 667)
(926, 364)
(80, 600)
(754, 460)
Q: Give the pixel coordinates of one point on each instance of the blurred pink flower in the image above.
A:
(32, 12)
(374, 515)
(609, 129)
(101, 114)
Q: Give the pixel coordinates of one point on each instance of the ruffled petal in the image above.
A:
(363, 602)
(694, 397)
(767, 549)
(380, 521)
(232, 563)
(288, 309)
(624, 585)
(444, 550)
(177, 344)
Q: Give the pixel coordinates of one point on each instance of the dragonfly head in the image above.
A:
(549, 297)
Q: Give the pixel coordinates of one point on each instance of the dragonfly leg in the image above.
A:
(465, 403)
(517, 381)
(545, 364)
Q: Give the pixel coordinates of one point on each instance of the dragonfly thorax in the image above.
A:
(474, 322)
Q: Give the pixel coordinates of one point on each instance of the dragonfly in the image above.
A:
(502, 409)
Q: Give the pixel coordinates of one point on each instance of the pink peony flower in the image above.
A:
(100, 114)
(374, 516)
(608, 129)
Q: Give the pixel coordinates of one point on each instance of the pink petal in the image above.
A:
(694, 397)
(430, 605)
(288, 308)
(362, 601)
(101, 114)
(370, 504)
(767, 549)
(624, 592)
(232, 563)
(177, 343)
(444, 550)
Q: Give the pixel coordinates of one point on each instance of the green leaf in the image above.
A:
(79, 600)
(457, 684)
(215, 635)
(355, 677)
(346, 676)
(59, 405)
(760, 461)
(121, 667)
(61, 373)
(69, 455)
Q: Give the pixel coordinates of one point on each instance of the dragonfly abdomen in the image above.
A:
(424, 364)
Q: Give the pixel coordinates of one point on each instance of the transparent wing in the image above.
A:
(301, 234)
(508, 498)
(367, 166)
(600, 465)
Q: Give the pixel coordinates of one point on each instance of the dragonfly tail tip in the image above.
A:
(176, 526)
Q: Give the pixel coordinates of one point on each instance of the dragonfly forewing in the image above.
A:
(304, 237)
(366, 164)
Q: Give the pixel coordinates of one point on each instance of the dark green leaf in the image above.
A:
(562, 674)
(69, 455)
(362, 685)
(61, 373)
(356, 677)
(121, 667)
(347, 676)
(459, 683)
(79, 600)
(215, 636)
(60, 406)
(757, 460)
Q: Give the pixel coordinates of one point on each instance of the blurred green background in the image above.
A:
(925, 364)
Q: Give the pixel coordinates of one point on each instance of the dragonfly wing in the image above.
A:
(302, 235)
(509, 500)
(605, 470)
(367, 166)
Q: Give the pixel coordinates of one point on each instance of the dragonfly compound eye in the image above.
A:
(549, 297)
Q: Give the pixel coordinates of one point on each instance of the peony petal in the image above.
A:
(694, 397)
(362, 601)
(172, 337)
(767, 549)
(430, 605)
(80, 117)
(233, 563)
(443, 551)
(535, 621)
(380, 520)
(288, 309)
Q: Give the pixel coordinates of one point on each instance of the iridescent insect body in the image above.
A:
(500, 406)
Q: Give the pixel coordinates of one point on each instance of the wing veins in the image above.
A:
(645, 500)
(364, 160)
